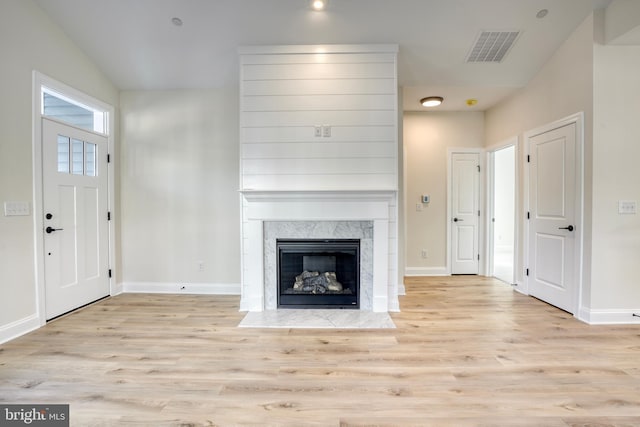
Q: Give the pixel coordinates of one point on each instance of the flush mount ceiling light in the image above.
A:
(176, 21)
(542, 13)
(318, 5)
(431, 101)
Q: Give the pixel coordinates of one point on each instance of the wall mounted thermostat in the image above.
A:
(425, 198)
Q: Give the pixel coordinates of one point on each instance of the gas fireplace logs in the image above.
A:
(316, 283)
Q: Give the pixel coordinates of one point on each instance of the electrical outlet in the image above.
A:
(326, 131)
(419, 207)
(425, 253)
(200, 265)
(627, 207)
(317, 131)
(16, 209)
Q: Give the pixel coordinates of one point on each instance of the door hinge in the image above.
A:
(109, 273)
(108, 216)
(108, 158)
(478, 257)
(528, 158)
(478, 213)
(527, 272)
(478, 168)
(528, 215)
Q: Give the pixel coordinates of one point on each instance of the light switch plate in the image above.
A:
(16, 209)
(627, 207)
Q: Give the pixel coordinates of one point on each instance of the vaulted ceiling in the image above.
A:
(138, 47)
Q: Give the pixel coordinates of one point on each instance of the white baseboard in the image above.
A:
(394, 306)
(426, 271)
(609, 317)
(401, 289)
(19, 327)
(181, 288)
(251, 304)
(521, 287)
(117, 289)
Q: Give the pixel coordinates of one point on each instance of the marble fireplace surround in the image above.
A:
(364, 215)
(361, 230)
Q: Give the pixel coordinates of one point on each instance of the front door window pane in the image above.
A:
(63, 154)
(90, 159)
(77, 157)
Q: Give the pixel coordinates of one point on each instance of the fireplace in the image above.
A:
(318, 273)
(367, 216)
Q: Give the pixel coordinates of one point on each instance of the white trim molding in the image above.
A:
(181, 288)
(609, 317)
(19, 327)
(426, 271)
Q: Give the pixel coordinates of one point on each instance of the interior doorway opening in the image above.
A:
(502, 227)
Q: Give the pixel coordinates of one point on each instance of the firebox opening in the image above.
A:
(318, 273)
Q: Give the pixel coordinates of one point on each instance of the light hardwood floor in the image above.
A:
(467, 351)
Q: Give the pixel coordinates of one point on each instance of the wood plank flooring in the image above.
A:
(467, 351)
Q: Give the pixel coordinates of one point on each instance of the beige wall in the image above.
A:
(600, 80)
(564, 86)
(427, 137)
(29, 41)
(615, 271)
(180, 200)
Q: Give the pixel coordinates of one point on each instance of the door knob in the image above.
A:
(570, 228)
(456, 219)
(50, 230)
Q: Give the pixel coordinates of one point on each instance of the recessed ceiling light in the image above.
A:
(431, 101)
(318, 4)
(176, 21)
(542, 13)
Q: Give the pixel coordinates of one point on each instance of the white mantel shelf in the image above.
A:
(273, 195)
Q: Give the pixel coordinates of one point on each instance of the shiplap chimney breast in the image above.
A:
(319, 142)
(348, 93)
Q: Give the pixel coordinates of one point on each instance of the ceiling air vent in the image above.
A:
(492, 46)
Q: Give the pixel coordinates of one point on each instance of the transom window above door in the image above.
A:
(70, 111)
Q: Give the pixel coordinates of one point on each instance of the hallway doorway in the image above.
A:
(502, 204)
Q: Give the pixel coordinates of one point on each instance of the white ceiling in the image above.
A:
(138, 48)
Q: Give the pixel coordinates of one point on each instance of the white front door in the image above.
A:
(552, 211)
(465, 196)
(76, 242)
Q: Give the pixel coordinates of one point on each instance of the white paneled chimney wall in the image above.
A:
(319, 143)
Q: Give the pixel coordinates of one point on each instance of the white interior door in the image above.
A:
(75, 203)
(465, 197)
(552, 210)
